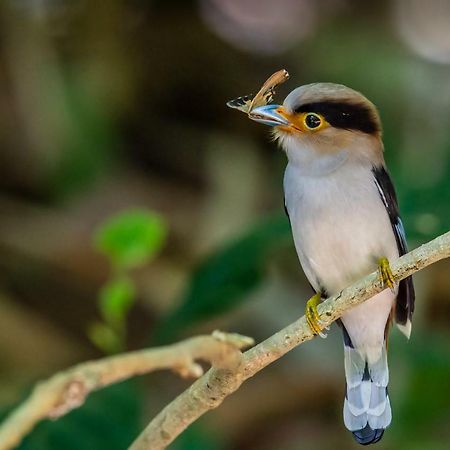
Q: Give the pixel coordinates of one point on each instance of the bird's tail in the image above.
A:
(367, 410)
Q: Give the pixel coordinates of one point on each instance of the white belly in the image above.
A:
(340, 229)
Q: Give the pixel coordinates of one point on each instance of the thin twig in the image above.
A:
(68, 390)
(211, 389)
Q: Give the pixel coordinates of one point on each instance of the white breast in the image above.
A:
(340, 229)
(339, 224)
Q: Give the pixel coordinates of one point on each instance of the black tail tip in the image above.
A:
(368, 436)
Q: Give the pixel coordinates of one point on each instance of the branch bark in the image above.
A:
(68, 390)
(210, 390)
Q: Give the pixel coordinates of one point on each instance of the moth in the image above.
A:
(264, 96)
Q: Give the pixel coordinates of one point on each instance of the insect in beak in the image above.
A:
(248, 103)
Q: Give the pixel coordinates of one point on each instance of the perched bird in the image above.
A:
(345, 223)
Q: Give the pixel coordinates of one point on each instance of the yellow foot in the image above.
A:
(386, 275)
(312, 316)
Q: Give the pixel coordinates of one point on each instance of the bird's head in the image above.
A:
(323, 125)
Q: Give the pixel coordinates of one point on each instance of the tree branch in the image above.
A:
(68, 390)
(210, 390)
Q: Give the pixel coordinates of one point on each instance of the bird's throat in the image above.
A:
(309, 161)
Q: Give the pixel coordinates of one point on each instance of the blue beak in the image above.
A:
(268, 115)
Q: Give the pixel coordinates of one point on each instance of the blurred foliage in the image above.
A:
(107, 338)
(116, 299)
(227, 277)
(426, 210)
(129, 240)
(110, 419)
(198, 437)
(424, 412)
(92, 142)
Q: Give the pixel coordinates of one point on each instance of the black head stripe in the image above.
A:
(351, 116)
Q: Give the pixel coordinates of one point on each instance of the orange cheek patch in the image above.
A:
(286, 128)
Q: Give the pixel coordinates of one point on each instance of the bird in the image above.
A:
(345, 223)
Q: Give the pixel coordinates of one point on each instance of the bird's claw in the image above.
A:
(313, 318)
(386, 275)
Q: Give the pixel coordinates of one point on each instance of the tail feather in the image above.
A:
(378, 370)
(381, 421)
(352, 421)
(359, 398)
(367, 410)
(354, 367)
(378, 400)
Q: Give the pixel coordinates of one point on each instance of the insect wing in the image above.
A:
(264, 96)
(267, 91)
(241, 103)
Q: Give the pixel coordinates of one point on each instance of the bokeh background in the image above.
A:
(136, 209)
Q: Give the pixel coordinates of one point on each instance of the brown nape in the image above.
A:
(349, 115)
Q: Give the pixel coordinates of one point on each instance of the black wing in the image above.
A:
(405, 297)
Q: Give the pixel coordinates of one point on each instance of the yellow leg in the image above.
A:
(312, 315)
(386, 275)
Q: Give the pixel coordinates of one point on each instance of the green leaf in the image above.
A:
(116, 298)
(131, 238)
(106, 338)
(225, 278)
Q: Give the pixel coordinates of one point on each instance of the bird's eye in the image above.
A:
(312, 121)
